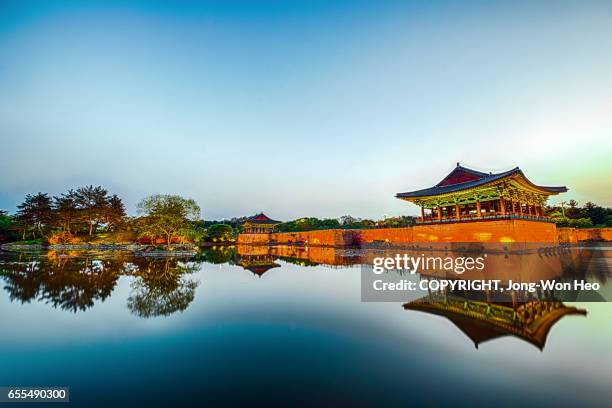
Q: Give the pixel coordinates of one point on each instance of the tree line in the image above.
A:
(344, 222)
(570, 214)
(83, 210)
(80, 214)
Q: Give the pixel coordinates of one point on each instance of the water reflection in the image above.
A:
(65, 282)
(162, 286)
(75, 281)
(481, 321)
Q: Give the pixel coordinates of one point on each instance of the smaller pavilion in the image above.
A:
(259, 224)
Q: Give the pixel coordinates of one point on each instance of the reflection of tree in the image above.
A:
(220, 254)
(23, 279)
(71, 284)
(161, 287)
(75, 282)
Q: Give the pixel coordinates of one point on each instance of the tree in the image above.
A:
(92, 203)
(396, 222)
(7, 227)
(35, 212)
(167, 216)
(220, 232)
(88, 208)
(66, 211)
(114, 213)
(596, 213)
(347, 220)
(573, 211)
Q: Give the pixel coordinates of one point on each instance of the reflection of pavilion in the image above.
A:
(258, 263)
(481, 321)
(266, 255)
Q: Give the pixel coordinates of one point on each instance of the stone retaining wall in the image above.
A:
(498, 231)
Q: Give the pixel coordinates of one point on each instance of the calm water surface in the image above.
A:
(279, 326)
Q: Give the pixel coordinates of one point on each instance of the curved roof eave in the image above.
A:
(436, 191)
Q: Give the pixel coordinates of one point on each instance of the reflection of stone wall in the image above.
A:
(501, 231)
(567, 235)
(326, 255)
(248, 239)
(594, 234)
(571, 235)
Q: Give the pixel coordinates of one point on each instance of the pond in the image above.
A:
(286, 325)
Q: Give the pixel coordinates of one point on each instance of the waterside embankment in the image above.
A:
(499, 231)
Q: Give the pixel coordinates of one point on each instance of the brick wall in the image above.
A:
(481, 231)
(500, 231)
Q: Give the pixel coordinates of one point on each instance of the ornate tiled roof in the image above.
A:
(261, 218)
(462, 178)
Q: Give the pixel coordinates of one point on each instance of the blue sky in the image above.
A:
(313, 108)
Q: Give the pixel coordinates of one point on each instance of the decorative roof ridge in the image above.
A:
(475, 174)
(489, 178)
(472, 172)
(262, 218)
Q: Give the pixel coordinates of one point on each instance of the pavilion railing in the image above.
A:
(484, 217)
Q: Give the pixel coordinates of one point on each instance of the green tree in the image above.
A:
(596, 213)
(114, 213)
(35, 212)
(92, 203)
(5, 220)
(7, 227)
(66, 211)
(573, 211)
(348, 221)
(220, 233)
(167, 216)
(396, 222)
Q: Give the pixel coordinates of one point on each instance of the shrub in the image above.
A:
(581, 223)
(63, 237)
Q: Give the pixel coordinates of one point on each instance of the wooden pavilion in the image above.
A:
(470, 195)
(259, 224)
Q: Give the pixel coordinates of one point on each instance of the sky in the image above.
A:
(302, 108)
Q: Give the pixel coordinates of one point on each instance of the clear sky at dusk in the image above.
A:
(302, 108)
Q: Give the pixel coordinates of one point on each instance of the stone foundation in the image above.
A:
(498, 231)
